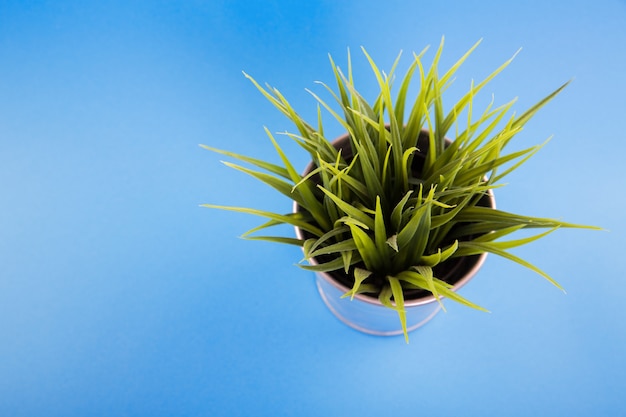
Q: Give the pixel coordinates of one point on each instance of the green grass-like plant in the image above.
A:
(370, 213)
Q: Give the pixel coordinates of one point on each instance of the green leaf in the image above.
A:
(380, 233)
(465, 100)
(350, 210)
(402, 92)
(385, 92)
(304, 192)
(349, 220)
(479, 214)
(343, 176)
(398, 297)
(454, 68)
(472, 248)
(426, 273)
(420, 106)
(520, 121)
(332, 235)
(281, 104)
(316, 145)
(440, 220)
(443, 288)
(277, 239)
(279, 185)
(334, 265)
(269, 223)
(367, 249)
(393, 242)
(275, 169)
(450, 294)
(532, 151)
(346, 257)
(413, 238)
(436, 258)
(405, 166)
(293, 220)
(360, 275)
(385, 297)
(343, 246)
(396, 215)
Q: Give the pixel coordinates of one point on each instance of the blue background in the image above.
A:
(120, 296)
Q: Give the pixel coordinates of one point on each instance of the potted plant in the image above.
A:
(393, 216)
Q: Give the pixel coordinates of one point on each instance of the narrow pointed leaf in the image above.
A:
(360, 275)
(287, 219)
(398, 297)
(476, 248)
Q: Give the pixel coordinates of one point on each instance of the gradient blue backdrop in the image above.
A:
(120, 296)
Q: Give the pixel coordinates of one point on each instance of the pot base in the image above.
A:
(374, 319)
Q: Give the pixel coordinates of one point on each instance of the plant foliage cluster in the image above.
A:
(384, 210)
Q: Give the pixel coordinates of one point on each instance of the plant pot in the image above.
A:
(365, 313)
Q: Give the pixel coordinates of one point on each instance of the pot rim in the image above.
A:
(477, 263)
